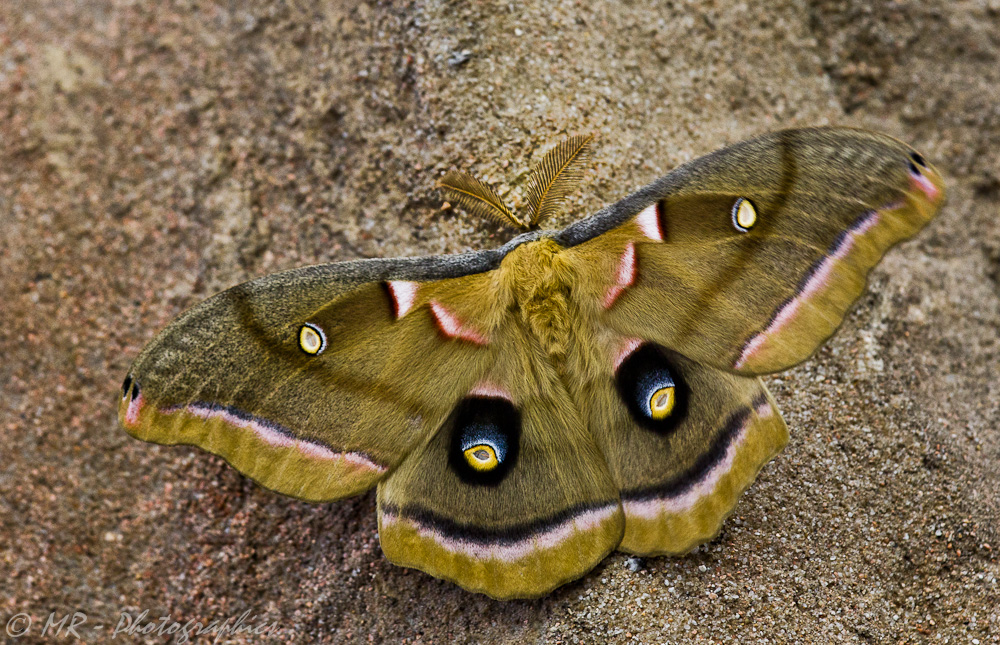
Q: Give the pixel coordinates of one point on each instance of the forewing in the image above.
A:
(314, 382)
(748, 259)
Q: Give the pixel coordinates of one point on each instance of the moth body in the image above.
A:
(538, 279)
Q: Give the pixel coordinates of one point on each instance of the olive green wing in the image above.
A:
(737, 264)
(317, 382)
(682, 441)
(511, 496)
(321, 382)
(748, 259)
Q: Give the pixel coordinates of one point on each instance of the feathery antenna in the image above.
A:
(479, 198)
(556, 175)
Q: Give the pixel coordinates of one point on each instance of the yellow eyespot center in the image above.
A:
(661, 404)
(745, 215)
(482, 457)
(311, 339)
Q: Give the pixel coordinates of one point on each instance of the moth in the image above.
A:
(525, 411)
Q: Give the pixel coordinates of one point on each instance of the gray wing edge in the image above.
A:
(417, 269)
(688, 174)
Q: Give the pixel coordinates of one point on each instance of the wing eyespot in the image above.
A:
(652, 389)
(312, 340)
(744, 215)
(485, 435)
(126, 386)
(661, 402)
(918, 159)
(481, 457)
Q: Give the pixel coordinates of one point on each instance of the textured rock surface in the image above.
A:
(153, 153)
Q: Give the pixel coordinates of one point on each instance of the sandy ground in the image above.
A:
(153, 153)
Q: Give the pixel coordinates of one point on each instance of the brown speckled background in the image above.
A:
(154, 153)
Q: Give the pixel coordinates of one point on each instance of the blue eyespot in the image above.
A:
(651, 388)
(485, 435)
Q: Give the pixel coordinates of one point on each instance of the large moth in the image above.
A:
(526, 410)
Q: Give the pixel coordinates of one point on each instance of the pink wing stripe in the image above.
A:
(626, 350)
(403, 295)
(819, 279)
(132, 413)
(625, 277)
(278, 439)
(520, 549)
(650, 509)
(649, 222)
(490, 390)
(452, 327)
(925, 185)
